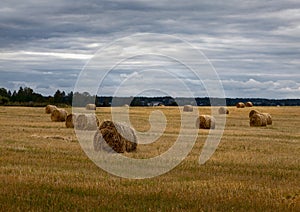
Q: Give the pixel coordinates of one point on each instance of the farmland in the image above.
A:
(42, 166)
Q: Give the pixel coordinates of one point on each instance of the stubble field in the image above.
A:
(42, 166)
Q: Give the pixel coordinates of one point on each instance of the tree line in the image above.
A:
(27, 97)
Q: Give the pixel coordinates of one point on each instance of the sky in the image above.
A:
(253, 46)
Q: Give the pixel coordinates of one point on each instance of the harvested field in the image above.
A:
(254, 169)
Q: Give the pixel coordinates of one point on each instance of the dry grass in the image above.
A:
(44, 168)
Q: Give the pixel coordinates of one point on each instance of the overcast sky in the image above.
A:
(253, 45)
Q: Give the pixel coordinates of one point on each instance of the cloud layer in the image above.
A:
(253, 45)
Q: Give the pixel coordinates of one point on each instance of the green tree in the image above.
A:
(4, 93)
(20, 96)
(3, 100)
(59, 96)
(69, 98)
(28, 94)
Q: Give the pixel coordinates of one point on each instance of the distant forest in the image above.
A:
(27, 97)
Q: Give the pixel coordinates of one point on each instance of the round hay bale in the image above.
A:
(115, 136)
(86, 122)
(126, 105)
(80, 122)
(99, 143)
(50, 108)
(268, 117)
(59, 115)
(240, 105)
(258, 120)
(223, 110)
(92, 122)
(70, 120)
(90, 107)
(249, 104)
(206, 122)
(252, 112)
(188, 108)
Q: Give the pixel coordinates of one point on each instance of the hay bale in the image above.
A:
(240, 105)
(59, 115)
(49, 108)
(70, 120)
(268, 117)
(258, 120)
(223, 110)
(126, 105)
(80, 122)
(252, 112)
(115, 136)
(188, 108)
(86, 122)
(92, 122)
(249, 104)
(90, 107)
(99, 143)
(206, 122)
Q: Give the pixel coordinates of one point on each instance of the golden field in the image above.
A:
(254, 169)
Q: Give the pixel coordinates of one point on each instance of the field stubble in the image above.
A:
(44, 168)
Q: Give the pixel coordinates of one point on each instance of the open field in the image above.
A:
(42, 166)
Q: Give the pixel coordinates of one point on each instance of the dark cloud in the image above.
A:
(49, 42)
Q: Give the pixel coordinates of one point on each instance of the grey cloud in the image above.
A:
(246, 40)
(286, 88)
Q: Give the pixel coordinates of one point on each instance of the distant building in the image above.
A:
(155, 103)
